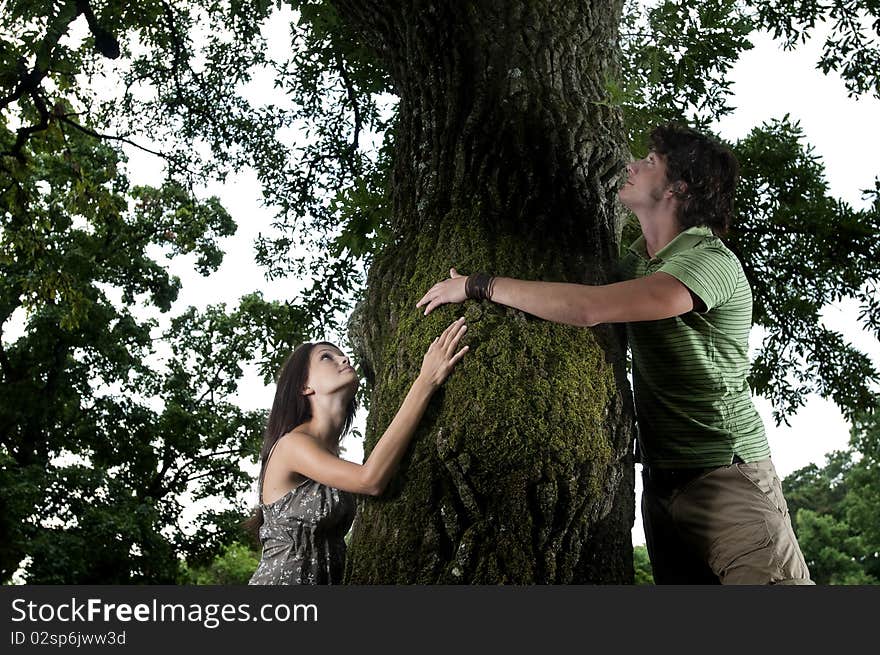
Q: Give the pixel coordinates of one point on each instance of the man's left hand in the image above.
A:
(451, 290)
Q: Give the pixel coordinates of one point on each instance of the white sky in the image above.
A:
(768, 84)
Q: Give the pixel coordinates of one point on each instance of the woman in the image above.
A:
(306, 506)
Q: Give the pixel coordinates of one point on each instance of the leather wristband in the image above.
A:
(478, 286)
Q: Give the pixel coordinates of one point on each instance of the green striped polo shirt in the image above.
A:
(692, 397)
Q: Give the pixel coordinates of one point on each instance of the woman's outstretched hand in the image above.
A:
(442, 357)
(451, 290)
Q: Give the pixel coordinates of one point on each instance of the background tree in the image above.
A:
(836, 509)
(234, 565)
(85, 369)
(111, 430)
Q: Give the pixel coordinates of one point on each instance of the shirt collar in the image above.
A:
(682, 241)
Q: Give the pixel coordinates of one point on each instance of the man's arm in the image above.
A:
(650, 298)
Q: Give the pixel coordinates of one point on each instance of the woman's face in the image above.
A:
(330, 370)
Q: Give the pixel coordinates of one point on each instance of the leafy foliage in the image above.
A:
(674, 64)
(233, 566)
(803, 250)
(642, 566)
(69, 243)
(107, 436)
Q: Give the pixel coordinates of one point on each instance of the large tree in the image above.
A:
(402, 138)
(507, 159)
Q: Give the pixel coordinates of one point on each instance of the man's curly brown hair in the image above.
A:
(709, 171)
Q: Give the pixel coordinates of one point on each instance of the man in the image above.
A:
(712, 504)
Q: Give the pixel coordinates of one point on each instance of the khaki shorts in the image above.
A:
(729, 525)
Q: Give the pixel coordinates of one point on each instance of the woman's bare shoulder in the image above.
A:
(294, 439)
(287, 447)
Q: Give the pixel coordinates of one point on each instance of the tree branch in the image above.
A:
(28, 83)
(24, 133)
(215, 379)
(105, 42)
(111, 137)
(179, 473)
(200, 475)
(352, 98)
(5, 365)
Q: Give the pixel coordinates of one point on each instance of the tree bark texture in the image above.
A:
(507, 161)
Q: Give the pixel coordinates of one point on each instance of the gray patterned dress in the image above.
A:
(303, 536)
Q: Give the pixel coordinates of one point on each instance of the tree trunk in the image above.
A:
(507, 162)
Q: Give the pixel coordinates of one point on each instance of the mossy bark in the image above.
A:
(507, 161)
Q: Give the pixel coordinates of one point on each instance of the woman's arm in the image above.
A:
(306, 456)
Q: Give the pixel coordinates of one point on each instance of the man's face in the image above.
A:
(646, 183)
